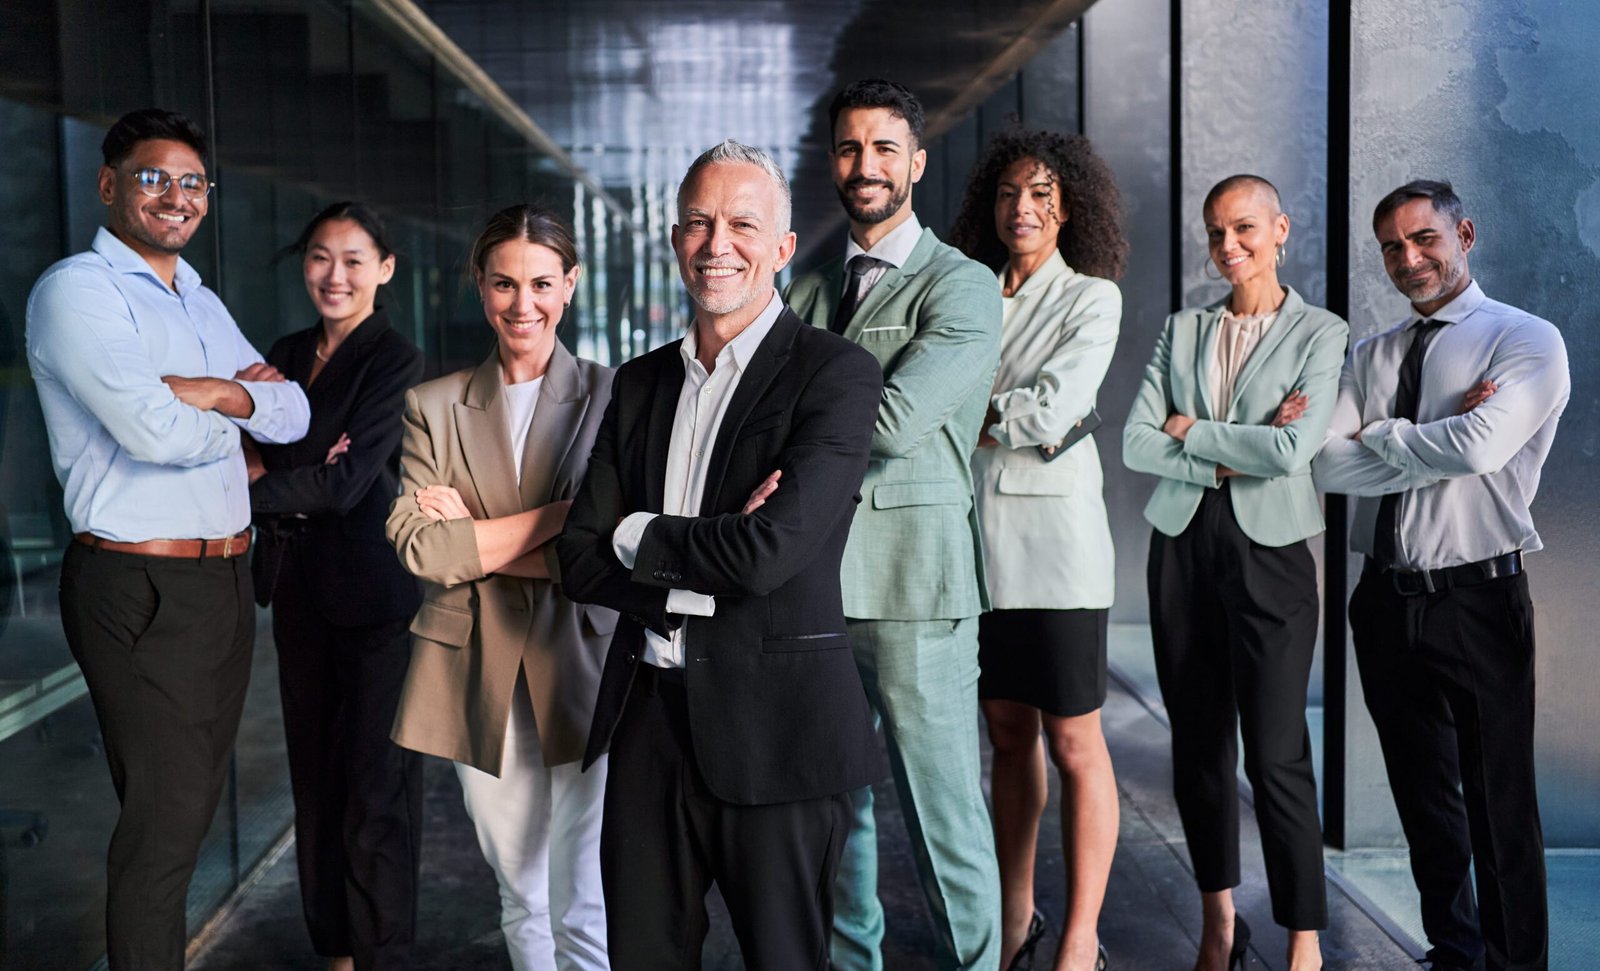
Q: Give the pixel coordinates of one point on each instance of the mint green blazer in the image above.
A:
(914, 551)
(1274, 501)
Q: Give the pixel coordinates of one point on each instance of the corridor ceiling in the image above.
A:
(633, 91)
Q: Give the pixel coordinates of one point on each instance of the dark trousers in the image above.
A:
(1234, 625)
(1448, 678)
(666, 838)
(165, 646)
(357, 795)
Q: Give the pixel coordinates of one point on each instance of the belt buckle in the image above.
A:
(227, 547)
(1427, 581)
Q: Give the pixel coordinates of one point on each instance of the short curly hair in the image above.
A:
(1091, 239)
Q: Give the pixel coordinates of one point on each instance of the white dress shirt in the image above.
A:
(1235, 344)
(702, 402)
(1467, 479)
(892, 250)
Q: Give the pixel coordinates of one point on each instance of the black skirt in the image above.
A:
(1054, 660)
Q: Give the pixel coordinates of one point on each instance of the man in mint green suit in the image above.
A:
(912, 577)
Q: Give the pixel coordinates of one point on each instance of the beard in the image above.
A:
(162, 239)
(720, 302)
(1425, 291)
(871, 217)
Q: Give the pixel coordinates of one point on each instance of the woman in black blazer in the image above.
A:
(341, 602)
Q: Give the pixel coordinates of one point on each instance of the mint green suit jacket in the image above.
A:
(1274, 501)
(914, 551)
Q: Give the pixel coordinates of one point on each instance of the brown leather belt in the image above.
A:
(188, 549)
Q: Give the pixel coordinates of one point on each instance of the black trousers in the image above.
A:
(666, 838)
(1235, 625)
(1448, 678)
(357, 795)
(165, 647)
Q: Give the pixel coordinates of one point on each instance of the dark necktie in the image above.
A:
(1406, 395)
(859, 266)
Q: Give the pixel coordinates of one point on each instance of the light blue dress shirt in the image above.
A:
(134, 462)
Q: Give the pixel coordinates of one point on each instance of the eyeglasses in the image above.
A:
(156, 182)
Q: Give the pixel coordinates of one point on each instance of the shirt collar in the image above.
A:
(894, 249)
(123, 259)
(742, 347)
(1456, 310)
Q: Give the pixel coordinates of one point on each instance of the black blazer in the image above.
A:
(776, 708)
(339, 547)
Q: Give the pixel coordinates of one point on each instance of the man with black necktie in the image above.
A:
(1441, 428)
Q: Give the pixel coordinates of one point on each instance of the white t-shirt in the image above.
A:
(521, 400)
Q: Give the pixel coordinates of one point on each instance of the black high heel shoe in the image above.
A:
(1023, 959)
(1241, 943)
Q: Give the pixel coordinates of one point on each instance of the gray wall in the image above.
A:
(1500, 98)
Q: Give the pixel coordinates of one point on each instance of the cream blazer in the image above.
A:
(1046, 541)
(474, 633)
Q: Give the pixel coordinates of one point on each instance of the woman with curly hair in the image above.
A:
(1041, 209)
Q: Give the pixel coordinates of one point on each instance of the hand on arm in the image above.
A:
(253, 465)
(220, 395)
(502, 541)
(1531, 381)
(1044, 412)
(1272, 448)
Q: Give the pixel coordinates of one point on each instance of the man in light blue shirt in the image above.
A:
(146, 385)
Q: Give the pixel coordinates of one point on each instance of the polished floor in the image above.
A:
(1150, 921)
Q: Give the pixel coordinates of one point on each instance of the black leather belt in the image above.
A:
(1411, 583)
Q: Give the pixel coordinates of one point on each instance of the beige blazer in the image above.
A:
(475, 632)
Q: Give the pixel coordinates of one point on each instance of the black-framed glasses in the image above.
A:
(155, 182)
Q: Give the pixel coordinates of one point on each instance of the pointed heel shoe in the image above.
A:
(1241, 944)
(1023, 960)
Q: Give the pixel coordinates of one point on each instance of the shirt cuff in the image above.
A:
(625, 539)
(690, 603)
(1377, 435)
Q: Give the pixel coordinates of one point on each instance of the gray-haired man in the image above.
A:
(713, 517)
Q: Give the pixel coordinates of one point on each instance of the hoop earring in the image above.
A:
(1282, 252)
(1206, 266)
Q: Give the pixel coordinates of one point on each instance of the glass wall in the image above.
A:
(307, 102)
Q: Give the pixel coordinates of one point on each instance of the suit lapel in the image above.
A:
(658, 437)
(884, 291)
(481, 425)
(763, 367)
(1288, 316)
(1206, 340)
(555, 419)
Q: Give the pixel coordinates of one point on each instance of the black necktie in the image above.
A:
(1406, 395)
(859, 267)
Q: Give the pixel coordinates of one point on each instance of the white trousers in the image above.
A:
(539, 829)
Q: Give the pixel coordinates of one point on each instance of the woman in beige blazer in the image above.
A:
(504, 668)
(1042, 209)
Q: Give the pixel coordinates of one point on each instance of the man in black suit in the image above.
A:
(714, 516)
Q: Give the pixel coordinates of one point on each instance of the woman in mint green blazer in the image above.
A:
(1233, 406)
(1042, 210)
